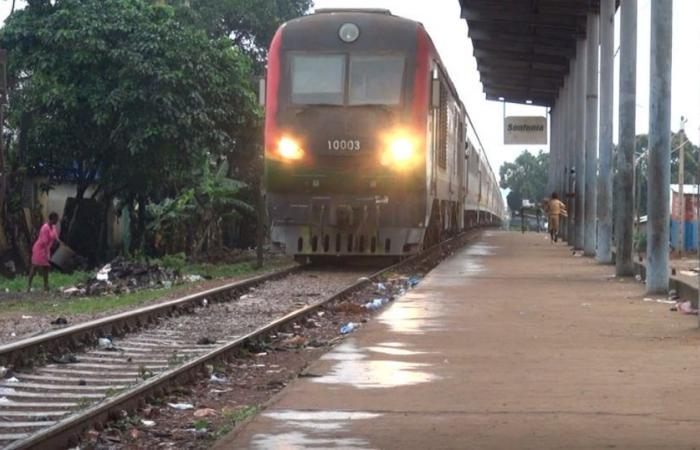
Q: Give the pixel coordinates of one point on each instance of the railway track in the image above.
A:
(153, 350)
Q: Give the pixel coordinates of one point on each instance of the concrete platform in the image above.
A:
(511, 343)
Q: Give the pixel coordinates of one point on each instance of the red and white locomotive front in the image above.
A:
(347, 134)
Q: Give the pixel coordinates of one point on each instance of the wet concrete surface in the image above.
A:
(510, 343)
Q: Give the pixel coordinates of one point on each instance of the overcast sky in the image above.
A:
(442, 20)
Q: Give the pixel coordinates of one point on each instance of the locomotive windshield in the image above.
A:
(372, 80)
(376, 79)
(318, 79)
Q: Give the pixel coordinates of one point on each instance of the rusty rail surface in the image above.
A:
(67, 432)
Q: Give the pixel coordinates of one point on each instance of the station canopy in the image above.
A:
(523, 47)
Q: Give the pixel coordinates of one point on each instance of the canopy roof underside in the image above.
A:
(523, 47)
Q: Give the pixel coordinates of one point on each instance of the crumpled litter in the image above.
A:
(65, 359)
(105, 342)
(181, 406)
(12, 380)
(147, 423)
(348, 328)
(205, 412)
(375, 304)
(103, 273)
(218, 378)
(660, 300)
(413, 281)
(687, 308)
(71, 291)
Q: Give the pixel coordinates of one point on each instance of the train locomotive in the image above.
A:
(368, 149)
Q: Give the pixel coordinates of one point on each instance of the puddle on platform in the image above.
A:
(317, 427)
(412, 315)
(471, 267)
(354, 368)
(480, 250)
(393, 351)
(319, 420)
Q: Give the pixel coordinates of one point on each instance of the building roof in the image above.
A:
(688, 189)
(523, 47)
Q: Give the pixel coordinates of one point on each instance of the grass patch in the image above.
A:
(233, 418)
(57, 280)
(229, 270)
(93, 305)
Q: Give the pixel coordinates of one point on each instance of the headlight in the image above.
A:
(289, 150)
(400, 151)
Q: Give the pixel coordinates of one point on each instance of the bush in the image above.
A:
(177, 261)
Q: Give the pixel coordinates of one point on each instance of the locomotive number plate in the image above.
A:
(344, 145)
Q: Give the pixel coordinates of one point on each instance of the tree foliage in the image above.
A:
(250, 24)
(193, 220)
(679, 142)
(138, 98)
(121, 94)
(526, 177)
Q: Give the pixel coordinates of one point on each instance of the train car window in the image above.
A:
(376, 79)
(318, 79)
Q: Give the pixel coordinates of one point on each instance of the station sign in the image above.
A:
(525, 130)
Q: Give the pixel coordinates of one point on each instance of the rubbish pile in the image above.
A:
(384, 292)
(122, 276)
(685, 307)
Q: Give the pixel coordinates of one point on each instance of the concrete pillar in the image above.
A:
(571, 153)
(551, 179)
(659, 167)
(591, 138)
(552, 161)
(564, 168)
(553, 150)
(580, 143)
(624, 193)
(605, 146)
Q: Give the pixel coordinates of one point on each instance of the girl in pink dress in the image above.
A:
(41, 251)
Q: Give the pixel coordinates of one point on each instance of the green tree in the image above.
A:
(526, 177)
(250, 24)
(122, 95)
(679, 142)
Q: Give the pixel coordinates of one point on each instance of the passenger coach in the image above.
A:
(367, 145)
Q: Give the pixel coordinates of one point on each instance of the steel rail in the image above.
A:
(24, 352)
(67, 432)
